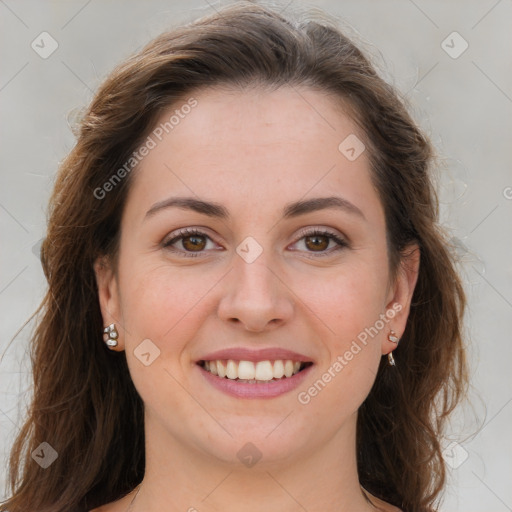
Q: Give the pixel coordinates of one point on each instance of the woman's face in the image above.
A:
(283, 258)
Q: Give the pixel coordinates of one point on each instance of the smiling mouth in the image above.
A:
(254, 372)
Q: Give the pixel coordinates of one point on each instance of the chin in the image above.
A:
(262, 442)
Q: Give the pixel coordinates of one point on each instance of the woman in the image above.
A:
(248, 220)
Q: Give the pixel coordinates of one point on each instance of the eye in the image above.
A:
(192, 241)
(322, 242)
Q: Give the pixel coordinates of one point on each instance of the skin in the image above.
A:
(253, 151)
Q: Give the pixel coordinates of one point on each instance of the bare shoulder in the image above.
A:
(109, 507)
(387, 507)
(115, 506)
(103, 508)
(122, 504)
(384, 506)
(381, 505)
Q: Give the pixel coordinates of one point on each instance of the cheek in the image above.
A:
(346, 301)
(349, 307)
(159, 301)
(166, 307)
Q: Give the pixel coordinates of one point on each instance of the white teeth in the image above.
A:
(264, 370)
(248, 371)
(288, 368)
(278, 369)
(231, 370)
(221, 370)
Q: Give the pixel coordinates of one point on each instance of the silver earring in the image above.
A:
(394, 339)
(110, 336)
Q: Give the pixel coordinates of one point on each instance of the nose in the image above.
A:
(255, 296)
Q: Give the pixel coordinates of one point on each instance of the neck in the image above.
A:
(180, 477)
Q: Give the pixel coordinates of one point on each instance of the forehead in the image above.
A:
(241, 146)
(256, 117)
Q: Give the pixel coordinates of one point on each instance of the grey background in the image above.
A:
(464, 104)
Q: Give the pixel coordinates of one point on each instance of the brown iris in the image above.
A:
(320, 242)
(194, 242)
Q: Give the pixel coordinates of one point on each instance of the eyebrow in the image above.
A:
(291, 210)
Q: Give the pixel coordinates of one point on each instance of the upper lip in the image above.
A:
(246, 354)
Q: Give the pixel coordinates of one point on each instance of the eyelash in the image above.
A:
(184, 233)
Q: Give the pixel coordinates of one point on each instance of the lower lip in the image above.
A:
(266, 389)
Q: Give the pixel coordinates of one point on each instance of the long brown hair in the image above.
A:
(85, 404)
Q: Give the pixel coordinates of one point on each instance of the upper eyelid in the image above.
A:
(303, 232)
(189, 231)
(312, 229)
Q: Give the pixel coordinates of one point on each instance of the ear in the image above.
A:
(401, 291)
(108, 296)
